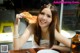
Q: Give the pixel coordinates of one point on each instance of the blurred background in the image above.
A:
(69, 16)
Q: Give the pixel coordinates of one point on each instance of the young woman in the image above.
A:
(45, 31)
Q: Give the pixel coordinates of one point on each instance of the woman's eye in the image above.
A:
(42, 13)
(48, 16)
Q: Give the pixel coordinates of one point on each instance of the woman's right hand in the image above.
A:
(17, 22)
(18, 16)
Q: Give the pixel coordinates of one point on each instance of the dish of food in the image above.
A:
(47, 51)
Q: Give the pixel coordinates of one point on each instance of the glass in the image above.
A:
(75, 46)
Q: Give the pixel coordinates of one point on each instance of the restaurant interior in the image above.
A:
(69, 22)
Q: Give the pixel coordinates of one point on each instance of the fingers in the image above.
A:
(51, 48)
(17, 21)
(18, 15)
(16, 25)
(22, 15)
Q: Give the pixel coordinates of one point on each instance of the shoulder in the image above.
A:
(57, 34)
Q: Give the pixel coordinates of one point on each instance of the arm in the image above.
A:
(63, 40)
(61, 48)
(19, 41)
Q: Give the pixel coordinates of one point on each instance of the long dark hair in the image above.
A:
(54, 24)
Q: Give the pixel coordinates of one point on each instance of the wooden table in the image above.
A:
(30, 50)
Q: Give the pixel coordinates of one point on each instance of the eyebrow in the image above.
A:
(44, 12)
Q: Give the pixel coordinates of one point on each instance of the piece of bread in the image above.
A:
(27, 15)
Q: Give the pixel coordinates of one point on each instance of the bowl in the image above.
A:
(47, 51)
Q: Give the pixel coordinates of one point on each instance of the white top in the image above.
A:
(43, 43)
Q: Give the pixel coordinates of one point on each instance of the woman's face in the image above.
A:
(45, 17)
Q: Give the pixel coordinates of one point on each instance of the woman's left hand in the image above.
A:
(54, 47)
(60, 48)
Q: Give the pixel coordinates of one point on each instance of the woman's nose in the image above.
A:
(44, 17)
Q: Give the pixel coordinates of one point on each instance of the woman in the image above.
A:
(45, 30)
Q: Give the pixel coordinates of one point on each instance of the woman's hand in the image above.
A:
(54, 47)
(60, 48)
(21, 15)
(16, 25)
(18, 16)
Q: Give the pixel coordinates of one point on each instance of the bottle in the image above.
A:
(75, 46)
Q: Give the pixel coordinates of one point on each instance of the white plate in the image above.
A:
(47, 51)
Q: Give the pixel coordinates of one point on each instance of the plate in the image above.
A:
(47, 51)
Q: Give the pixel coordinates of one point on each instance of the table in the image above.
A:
(30, 50)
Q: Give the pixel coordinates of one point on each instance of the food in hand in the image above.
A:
(26, 15)
(29, 17)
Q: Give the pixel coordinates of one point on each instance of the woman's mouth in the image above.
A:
(42, 21)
